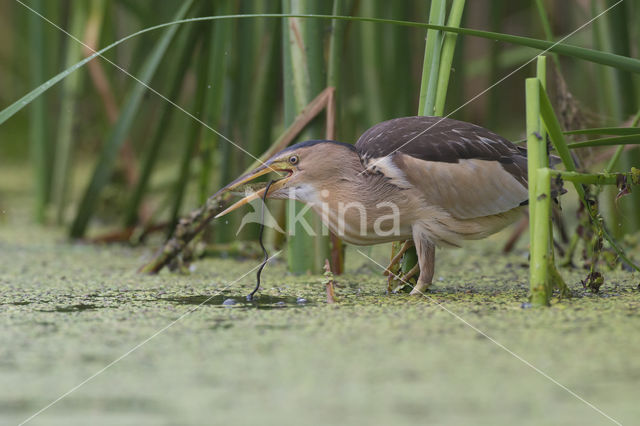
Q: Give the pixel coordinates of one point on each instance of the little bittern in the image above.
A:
(435, 180)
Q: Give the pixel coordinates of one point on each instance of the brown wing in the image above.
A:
(465, 169)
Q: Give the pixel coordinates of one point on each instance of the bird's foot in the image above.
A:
(420, 288)
(403, 280)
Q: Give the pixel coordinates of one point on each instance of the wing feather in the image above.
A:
(467, 189)
(465, 169)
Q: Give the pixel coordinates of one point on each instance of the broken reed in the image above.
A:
(190, 226)
(541, 118)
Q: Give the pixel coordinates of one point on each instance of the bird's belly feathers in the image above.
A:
(447, 231)
(361, 226)
(358, 228)
(361, 222)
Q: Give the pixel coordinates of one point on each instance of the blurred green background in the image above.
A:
(106, 154)
(101, 157)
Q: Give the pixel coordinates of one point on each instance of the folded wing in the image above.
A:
(465, 169)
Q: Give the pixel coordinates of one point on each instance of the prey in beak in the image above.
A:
(284, 168)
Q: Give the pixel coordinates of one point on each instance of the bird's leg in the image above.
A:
(426, 259)
(406, 246)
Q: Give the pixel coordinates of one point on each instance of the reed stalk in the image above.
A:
(304, 78)
(600, 57)
(631, 177)
(557, 138)
(617, 140)
(546, 28)
(38, 122)
(436, 69)
(399, 93)
(541, 74)
(106, 161)
(630, 205)
(617, 39)
(213, 93)
(266, 51)
(620, 131)
(431, 64)
(192, 137)
(614, 36)
(616, 156)
(263, 63)
(185, 45)
(336, 47)
(225, 104)
(541, 259)
(493, 100)
(65, 140)
(543, 274)
(448, 49)
(536, 157)
(372, 65)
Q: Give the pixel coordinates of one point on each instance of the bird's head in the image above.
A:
(305, 168)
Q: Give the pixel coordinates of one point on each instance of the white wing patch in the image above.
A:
(389, 169)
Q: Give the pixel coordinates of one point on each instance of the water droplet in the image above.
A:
(301, 300)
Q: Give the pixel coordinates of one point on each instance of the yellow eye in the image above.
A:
(294, 159)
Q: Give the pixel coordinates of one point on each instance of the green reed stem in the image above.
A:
(536, 150)
(372, 65)
(304, 78)
(65, 140)
(38, 126)
(192, 137)
(606, 178)
(605, 58)
(448, 49)
(546, 27)
(431, 64)
(614, 158)
(557, 138)
(539, 266)
(185, 45)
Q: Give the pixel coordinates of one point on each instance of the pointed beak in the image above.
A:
(281, 167)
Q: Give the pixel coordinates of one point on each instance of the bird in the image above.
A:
(429, 181)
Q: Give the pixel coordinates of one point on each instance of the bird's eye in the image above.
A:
(294, 159)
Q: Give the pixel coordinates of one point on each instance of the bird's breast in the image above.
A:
(360, 224)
